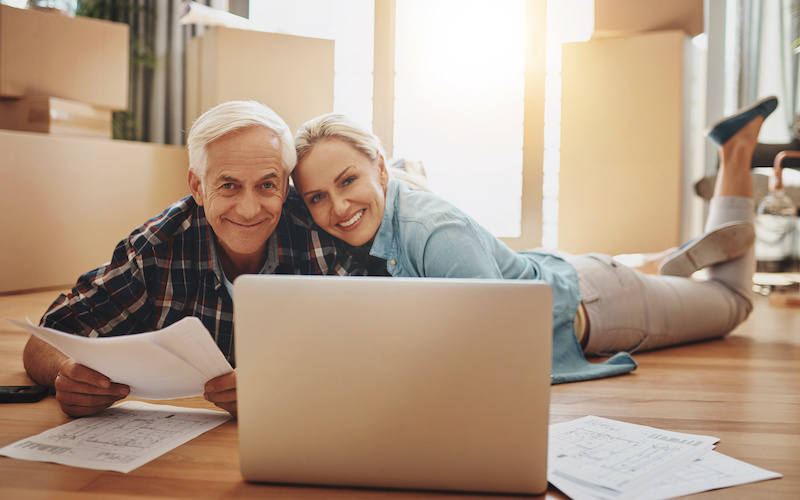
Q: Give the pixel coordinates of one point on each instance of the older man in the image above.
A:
(242, 217)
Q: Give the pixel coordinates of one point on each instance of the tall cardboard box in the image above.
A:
(50, 55)
(624, 122)
(291, 74)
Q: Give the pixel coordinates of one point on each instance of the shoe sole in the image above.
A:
(724, 243)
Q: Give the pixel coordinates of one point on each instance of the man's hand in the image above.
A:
(82, 391)
(79, 390)
(222, 392)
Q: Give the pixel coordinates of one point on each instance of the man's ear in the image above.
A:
(196, 187)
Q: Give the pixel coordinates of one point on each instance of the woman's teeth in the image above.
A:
(353, 220)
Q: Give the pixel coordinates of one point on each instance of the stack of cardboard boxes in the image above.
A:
(70, 192)
(626, 128)
(68, 198)
(61, 75)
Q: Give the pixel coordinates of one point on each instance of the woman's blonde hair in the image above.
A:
(336, 126)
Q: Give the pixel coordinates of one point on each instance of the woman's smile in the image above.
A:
(349, 223)
(344, 189)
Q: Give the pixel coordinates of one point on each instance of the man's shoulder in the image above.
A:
(176, 221)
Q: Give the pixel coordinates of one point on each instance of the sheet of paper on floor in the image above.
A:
(121, 438)
(597, 458)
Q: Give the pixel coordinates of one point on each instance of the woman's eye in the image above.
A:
(317, 198)
(347, 181)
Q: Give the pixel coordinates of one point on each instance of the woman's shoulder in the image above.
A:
(413, 204)
(419, 216)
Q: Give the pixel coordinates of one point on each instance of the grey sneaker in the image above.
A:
(721, 244)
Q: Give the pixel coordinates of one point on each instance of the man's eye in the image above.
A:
(227, 185)
(268, 185)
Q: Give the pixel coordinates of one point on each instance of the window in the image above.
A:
(456, 94)
(350, 23)
(567, 21)
(459, 91)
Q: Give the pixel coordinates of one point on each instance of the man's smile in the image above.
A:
(246, 225)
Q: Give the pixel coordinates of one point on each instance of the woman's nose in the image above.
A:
(340, 206)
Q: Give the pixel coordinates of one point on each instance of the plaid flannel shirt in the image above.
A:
(167, 270)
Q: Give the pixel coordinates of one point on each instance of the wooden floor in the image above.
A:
(743, 389)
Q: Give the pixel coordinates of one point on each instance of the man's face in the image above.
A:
(243, 192)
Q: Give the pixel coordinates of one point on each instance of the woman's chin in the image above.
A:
(353, 239)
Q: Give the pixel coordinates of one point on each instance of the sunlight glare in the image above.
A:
(459, 108)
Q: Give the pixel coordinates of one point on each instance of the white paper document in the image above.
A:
(598, 458)
(174, 362)
(709, 472)
(121, 438)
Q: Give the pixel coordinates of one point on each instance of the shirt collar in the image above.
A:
(205, 255)
(269, 265)
(382, 244)
(208, 257)
(294, 218)
(285, 247)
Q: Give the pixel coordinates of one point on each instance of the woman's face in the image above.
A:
(344, 190)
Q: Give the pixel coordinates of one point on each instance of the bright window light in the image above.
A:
(567, 21)
(459, 92)
(350, 23)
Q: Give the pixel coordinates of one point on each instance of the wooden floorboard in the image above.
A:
(743, 389)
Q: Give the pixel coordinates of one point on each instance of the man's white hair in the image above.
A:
(230, 117)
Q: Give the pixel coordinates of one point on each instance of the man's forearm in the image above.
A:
(42, 361)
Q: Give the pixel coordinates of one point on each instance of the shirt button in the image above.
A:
(393, 262)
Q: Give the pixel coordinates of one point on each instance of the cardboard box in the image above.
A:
(624, 115)
(614, 18)
(50, 55)
(67, 201)
(293, 75)
(52, 115)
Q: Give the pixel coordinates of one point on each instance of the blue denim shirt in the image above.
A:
(422, 235)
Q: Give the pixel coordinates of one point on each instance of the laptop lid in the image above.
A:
(440, 384)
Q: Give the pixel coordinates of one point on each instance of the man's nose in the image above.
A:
(249, 206)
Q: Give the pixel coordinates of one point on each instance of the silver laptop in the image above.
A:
(406, 383)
